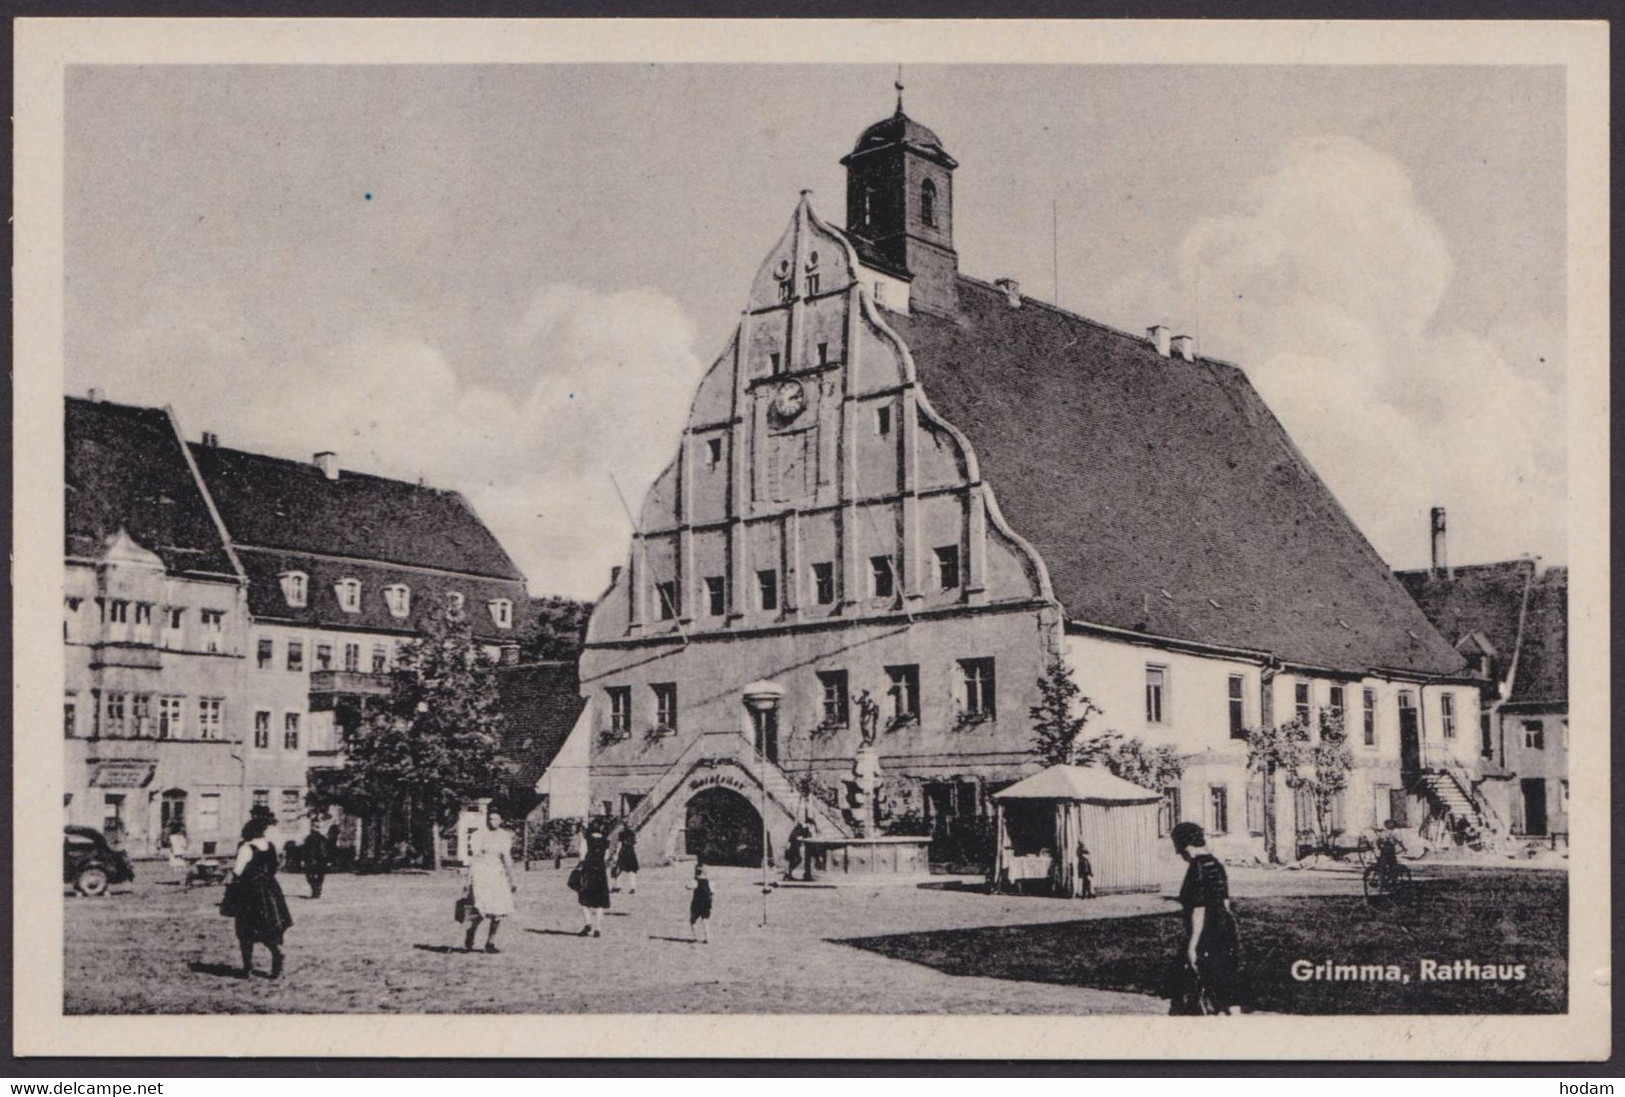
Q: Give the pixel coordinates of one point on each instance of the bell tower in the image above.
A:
(900, 207)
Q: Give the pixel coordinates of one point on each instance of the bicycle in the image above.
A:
(1387, 884)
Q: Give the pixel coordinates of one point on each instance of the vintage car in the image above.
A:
(90, 864)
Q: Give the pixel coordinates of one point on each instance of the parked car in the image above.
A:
(90, 864)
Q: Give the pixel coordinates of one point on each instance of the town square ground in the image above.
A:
(388, 944)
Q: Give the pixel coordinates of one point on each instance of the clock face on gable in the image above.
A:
(789, 401)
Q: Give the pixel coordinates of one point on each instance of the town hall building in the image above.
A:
(902, 493)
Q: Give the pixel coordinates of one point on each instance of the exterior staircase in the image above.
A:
(715, 748)
(1451, 791)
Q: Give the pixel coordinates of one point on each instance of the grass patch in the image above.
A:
(1485, 916)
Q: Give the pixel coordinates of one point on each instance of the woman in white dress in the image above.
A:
(490, 880)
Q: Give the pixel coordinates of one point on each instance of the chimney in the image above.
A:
(1159, 338)
(1441, 561)
(328, 462)
(1185, 347)
(211, 440)
(1012, 291)
(95, 396)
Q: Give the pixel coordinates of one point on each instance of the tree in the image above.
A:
(556, 630)
(1060, 719)
(1318, 764)
(1060, 716)
(430, 746)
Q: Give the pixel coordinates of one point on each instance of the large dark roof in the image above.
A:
(1488, 600)
(1162, 495)
(541, 702)
(126, 467)
(900, 129)
(271, 502)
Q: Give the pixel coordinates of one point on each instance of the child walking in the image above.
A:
(699, 907)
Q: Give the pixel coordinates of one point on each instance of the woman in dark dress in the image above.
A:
(1207, 971)
(594, 893)
(255, 900)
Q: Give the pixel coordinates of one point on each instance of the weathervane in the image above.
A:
(898, 84)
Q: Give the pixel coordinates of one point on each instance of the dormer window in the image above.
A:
(928, 203)
(349, 595)
(398, 597)
(455, 599)
(501, 612)
(293, 588)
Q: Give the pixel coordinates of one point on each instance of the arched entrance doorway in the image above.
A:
(723, 828)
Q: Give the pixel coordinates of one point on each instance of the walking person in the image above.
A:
(794, 853)
(626, 860)
(699, 907)
(490, 880)
(315, 859)
(1206, 972)
(1086, 873)
(254, 899)
(592, 874)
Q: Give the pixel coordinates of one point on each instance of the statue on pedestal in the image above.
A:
(860, 789)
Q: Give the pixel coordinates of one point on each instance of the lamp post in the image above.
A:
(762, 702)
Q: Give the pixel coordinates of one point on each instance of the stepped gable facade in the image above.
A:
(905, 487)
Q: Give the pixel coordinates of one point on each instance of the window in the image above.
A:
(823, 349)
(1534, 733)
(70, 716)
(948, 567)
(665, 704)
(1218, 809)
(214, 627)
(1334, 704)
(141, 715)
(1156, 693)
(1169, 812)
(171, 717)
(352, 657)
(716, 596)
(620, 711)
(1300, 703)
(812, 282)
(293, 588)
(291, 803)
(290, 731)
(980, 692)
(1255, 809)
(113, 811)
(1368, 715)
(324, 657)
(713, 452)
(1238, 706)
(208, 717)
(880, 577)
(380, 658)
(174, 625)
(666, 596)
(786, 290)
(767, 590)
(883, 421)
(296, 655)
(880, 293)
(262, 731)
(928, 203)
(118, 612)
(1486, 736)
(824, 583)
(773, 358)
(70, 620)
(349, 595)
(502, 612)
(262, 799)
(837, 709)
(904, 691)
(265, 652)
(398, 597)
(113, 720)
(1447, 715)
(143, 613)
(208, 813)
(177, 618)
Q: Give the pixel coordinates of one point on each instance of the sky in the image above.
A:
(509, 279)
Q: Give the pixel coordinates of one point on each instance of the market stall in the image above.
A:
(1045, 820)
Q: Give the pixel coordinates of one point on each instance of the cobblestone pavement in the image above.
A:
(388, 944)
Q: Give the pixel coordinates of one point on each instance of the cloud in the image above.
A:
(601, 384)
(1326, 286)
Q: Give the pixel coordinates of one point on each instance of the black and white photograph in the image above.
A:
(892, 525)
